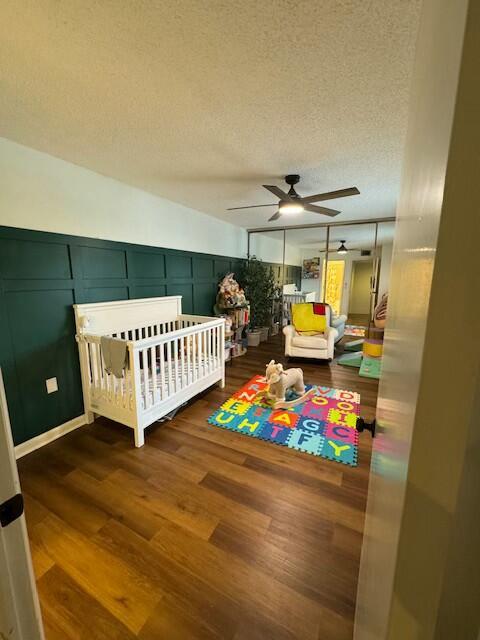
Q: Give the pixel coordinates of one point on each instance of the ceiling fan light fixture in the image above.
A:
(290, 207)
(342, 248)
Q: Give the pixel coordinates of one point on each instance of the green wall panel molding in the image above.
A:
(43, 274)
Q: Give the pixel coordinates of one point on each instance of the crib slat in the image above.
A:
(189, 356)
(194, 358)
(182, 360)
(175, 365)
(103, 374)
(130, 380)
(146, 380)
(213, 336)
(126, 385)
(176, 349)
(153, 361)
(162, 371)
(209, 350)
(204, 346)
(169, 367)
(93, 364)
(200, 355)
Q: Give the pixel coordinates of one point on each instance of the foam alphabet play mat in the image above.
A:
(324, 425)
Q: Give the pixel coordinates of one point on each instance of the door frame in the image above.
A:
(20, 617)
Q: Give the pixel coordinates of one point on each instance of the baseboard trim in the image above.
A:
(49, 436)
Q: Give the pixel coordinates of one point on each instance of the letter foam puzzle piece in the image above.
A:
(326, 392)
(222, 418)
(251, 390)
(275, 433)
(248, 423)
(239, 407)
(340, 452)
(311, 425)
(349, 396)
(318, 407)
(284, 417)
(246, 395)
(345, 419)
(307, 442)
(263, 401)
(341, 433)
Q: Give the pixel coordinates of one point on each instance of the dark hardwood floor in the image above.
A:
(202, 533)
(358, 319)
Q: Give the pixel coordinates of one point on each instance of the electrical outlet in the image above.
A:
(52, 385)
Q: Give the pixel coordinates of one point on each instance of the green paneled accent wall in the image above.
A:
(43, 274)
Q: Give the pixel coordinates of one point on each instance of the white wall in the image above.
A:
(385, 268)
(269, 248)
(40, 192)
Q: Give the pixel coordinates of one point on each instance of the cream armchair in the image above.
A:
(320, 346)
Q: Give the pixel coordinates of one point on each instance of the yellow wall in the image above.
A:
(334, 283)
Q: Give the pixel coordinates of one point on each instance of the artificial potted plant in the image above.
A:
(259, 284)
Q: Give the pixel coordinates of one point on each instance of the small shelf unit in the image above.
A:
(236, 337)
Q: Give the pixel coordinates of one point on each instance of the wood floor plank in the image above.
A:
(115, 502)
(222, 507)
(73, 614)
(245, 584)
(171, 621)
(203, 533)
(159, 461)
(180, 508)
(209, 446)
(293, 459)
(70, 507)
(275, 505)
(305, 575)
(275, 483)
(194, 595)
(116, 585)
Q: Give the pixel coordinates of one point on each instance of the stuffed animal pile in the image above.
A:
(230, 294)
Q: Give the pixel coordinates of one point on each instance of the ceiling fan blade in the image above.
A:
(331, 195)
(323, 210)
(253, 206)
(275, 216)
(276, 191)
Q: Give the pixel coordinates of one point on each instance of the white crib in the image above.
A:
(171, 358)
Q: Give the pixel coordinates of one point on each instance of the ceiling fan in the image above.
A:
(291, 202)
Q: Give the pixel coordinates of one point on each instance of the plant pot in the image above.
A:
(263, 334)
(253, 338)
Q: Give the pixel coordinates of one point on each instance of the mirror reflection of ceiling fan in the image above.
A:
(291, 202)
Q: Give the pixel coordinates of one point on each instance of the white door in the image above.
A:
(20, 617)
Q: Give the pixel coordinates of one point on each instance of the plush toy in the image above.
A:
(230, 294)
(380, 314)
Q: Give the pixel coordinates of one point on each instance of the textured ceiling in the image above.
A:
(203, 101)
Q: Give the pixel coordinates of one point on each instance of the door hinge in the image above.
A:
(11, 509)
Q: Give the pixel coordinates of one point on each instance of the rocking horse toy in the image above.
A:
(282, 382)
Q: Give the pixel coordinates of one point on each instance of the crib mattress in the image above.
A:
(178, 376)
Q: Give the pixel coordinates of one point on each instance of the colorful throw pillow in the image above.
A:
(309, 318)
